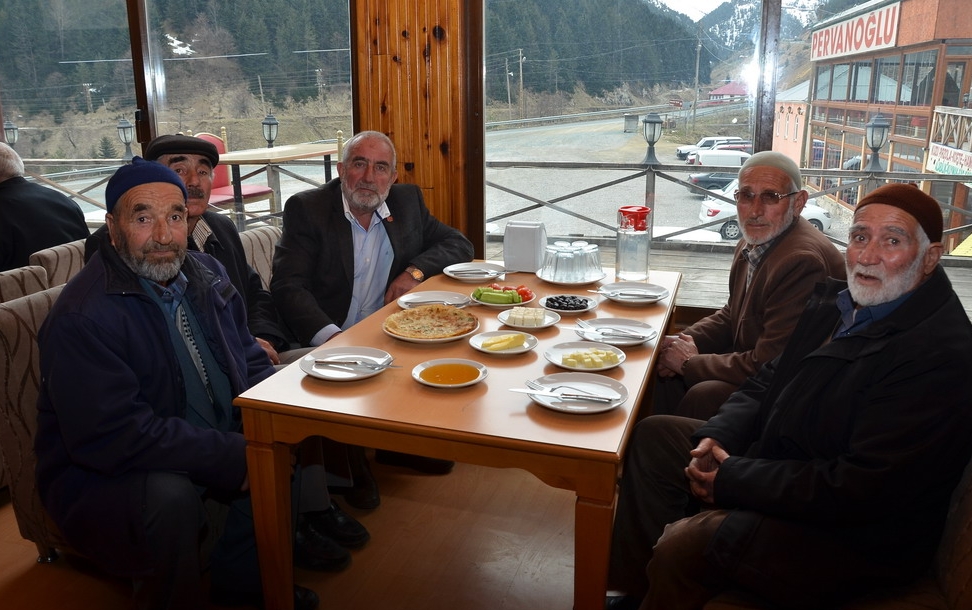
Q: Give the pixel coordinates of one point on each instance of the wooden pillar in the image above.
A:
(417, 74)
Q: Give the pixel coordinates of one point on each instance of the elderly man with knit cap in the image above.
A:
(774, 269)
(140, 451)
(829, 473)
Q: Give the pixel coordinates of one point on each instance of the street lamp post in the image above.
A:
(126, 133)
(652, 125)
(10, 132)
(876, 134)
(270, 126)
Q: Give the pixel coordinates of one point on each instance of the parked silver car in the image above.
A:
(715, 209)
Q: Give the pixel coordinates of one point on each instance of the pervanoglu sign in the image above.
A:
(877, 29)
(949, 161)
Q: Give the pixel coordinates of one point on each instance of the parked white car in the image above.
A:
(715, 209)
(682, 152)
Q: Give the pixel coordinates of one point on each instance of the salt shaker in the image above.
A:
(634, 243)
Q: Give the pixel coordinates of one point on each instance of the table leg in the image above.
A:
(269, 474)
(593, 522)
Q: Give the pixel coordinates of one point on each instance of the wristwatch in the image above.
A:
(415, 272)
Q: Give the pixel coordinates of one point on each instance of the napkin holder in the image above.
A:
(524, 243)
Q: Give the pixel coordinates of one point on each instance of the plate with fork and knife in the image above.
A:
(615, 331)
(578, 393)
(346, 363)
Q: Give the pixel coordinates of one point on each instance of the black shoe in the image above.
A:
(315, 551)
(415, 462)
(622, 602)
(304, 598)
(337, 525)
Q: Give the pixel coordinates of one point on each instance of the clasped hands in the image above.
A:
(675, 350)
(702, 469)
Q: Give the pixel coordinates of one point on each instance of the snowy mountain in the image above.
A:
(734, 25)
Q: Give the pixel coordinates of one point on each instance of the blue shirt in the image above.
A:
(853, 320)
(373, 256)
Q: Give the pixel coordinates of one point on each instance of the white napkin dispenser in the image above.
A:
(524, 242)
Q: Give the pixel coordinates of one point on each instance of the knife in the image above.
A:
(566, 395)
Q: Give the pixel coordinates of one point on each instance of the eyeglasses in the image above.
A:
(767, 198)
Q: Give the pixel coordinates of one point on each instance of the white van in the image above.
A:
(721, 158)
(682, 152)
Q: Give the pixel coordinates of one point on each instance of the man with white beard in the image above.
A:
(829, 473)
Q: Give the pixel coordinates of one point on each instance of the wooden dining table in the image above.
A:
(482, 424)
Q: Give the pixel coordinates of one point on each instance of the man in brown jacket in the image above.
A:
(775, 268)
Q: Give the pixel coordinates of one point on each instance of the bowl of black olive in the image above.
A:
(567, 303)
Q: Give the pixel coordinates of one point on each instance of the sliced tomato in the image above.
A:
(525, 293)
(511, 288)
(495, 286)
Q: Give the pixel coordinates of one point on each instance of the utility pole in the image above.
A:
(522, 59)
(698, 57)
(509, 101)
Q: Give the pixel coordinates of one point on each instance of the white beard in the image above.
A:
(890, 288)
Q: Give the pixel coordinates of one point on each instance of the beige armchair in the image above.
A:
(61, 262)
(20, 319)
(258, 246)
(15, 283)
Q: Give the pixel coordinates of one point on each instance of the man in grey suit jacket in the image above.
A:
(348, 248)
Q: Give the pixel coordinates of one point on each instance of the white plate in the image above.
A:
(591, 304)
(620, 323)
(549, 319)
(555, 354)
(442, 340)
(503, 305)
(589, 382)
(416, 299)
(344, 353)
(590, 279)
(489, 271)
(529, 342)
(653, 293)
(416, 372)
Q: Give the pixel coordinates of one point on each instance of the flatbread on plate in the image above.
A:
(431, 322)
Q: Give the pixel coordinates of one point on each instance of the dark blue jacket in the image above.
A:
(112, 402)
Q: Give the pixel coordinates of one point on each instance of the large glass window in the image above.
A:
(918, 78)
(886, 76)
(860, 81)
(841, 79)
(822, 87)
(911, 126)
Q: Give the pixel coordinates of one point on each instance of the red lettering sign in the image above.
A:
(877, 29)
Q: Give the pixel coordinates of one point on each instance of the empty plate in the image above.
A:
(580, 383)
(474, 272)
(339, 372)
(432, 297)
(617, 331)
(633, 293)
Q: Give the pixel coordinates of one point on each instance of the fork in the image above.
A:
(459, 304)
(374, 366)
(610, 330)
(535, 385)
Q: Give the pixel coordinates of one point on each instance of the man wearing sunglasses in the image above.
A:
(774, 269)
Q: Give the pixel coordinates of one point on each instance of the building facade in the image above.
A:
(908, 61)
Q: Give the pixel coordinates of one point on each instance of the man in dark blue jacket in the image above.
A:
(140, 450)
(830, 472)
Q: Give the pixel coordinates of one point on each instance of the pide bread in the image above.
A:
(431, 322)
